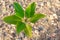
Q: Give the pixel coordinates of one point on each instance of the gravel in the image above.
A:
(47, 28)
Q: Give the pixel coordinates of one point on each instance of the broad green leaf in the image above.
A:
(18, 10)
(20, 27)
(30, 10)
(28, 30)
(36, 17)
(11, 19)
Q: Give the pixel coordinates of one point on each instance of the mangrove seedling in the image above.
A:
(22, 18)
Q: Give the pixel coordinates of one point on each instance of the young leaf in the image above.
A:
(28, 30)
(11, 19)
(36, 17)
(20, 26)
(19, 10)
(30, 10)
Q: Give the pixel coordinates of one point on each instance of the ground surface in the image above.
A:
(45, 29)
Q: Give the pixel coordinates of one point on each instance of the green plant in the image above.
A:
(22, 18)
